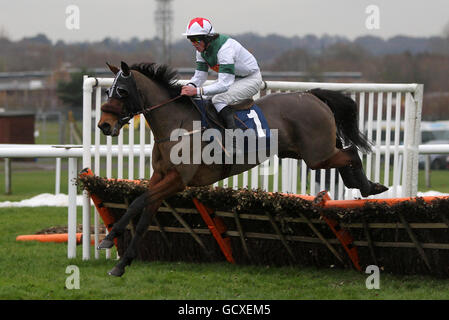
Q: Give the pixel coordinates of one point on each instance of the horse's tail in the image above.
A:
(346, 117)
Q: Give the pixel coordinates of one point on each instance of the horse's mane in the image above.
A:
(162, 74)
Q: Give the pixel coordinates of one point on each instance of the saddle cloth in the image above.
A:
(248, 117)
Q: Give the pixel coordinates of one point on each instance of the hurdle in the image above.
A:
(284, 229)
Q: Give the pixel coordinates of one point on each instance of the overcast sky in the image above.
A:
(135, 18)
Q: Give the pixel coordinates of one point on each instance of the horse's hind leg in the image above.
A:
(135, 208)
(354, 177)
(349, 165)
(342, 158)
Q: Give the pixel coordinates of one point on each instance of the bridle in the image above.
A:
(124, 115)
(124, 119)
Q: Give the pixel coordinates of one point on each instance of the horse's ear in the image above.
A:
(125, 68)
(114, 69)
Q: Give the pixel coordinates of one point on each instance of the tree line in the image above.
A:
(398, 59)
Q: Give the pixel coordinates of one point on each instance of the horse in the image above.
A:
(313, 126)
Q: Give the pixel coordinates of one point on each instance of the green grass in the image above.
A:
(26, 184)
(33, 270)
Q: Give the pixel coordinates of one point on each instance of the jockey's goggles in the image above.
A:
(195, 39)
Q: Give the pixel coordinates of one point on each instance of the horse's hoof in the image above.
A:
(105, 244)
(116, 271)
(376, 188)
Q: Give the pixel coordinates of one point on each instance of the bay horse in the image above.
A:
(311, 126)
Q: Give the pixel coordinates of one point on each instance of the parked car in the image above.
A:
(437, 161)
(434, 130)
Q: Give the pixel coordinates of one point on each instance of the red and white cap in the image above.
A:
(199, 27)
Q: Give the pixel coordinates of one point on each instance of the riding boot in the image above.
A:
(227, 114)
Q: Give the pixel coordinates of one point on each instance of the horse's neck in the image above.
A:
(165, 118)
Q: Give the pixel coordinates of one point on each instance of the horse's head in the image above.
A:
(123, 101)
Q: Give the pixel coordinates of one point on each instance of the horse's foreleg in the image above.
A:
(131, 251)
(119, 227)
(135, 208)
(168, 186)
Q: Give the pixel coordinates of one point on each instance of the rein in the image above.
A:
(147, 109)
(125, 119)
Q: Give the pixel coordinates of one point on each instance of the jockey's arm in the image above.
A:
(225, 80)
(226, 76)
(198, 78)
(201, 71)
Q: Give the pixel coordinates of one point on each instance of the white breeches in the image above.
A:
(241, 89)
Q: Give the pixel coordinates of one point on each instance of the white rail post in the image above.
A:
(397, 133)
(7, 176)
(71, 242)
(413, 106)
(58, 176)
(88, 84)
(97, 165)
(417, 99)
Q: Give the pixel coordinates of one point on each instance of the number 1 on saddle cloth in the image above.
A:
(251, 119)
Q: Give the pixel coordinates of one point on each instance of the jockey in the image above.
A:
(239, 75)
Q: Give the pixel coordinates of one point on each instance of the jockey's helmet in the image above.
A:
(199, 27)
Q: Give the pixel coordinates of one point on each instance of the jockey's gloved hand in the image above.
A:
(188, 91)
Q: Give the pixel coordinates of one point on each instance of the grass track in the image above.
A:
(33, 270)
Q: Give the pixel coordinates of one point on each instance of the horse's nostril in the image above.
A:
(105, 127)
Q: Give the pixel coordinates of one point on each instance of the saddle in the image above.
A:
(210, 117)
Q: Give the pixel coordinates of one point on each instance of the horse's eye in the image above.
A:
(123, 93)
